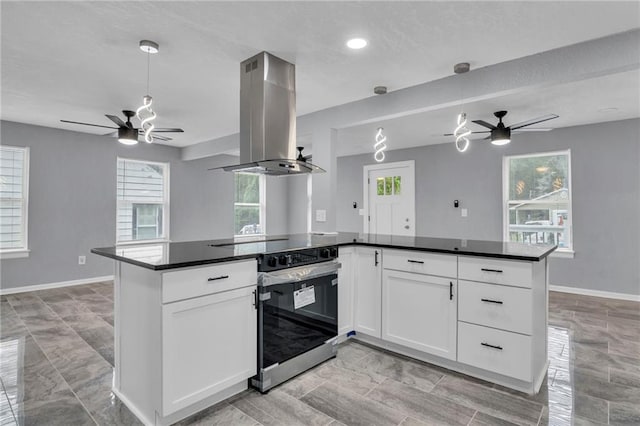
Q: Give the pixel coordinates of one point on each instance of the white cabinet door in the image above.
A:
(368, 290)
(209, 344)
(420, 312)
(345, 290)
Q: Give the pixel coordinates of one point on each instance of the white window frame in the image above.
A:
(165, 205)
(262, 183)
(14, 253)
(562, 252)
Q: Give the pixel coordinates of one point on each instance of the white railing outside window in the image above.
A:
(142, 201)
(14, 201)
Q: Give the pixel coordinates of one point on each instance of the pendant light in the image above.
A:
(145, 113)
(461, 132)
(380, 145)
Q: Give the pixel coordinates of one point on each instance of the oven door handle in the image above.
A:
(301, 273)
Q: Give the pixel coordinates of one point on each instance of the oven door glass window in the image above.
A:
(298, 317)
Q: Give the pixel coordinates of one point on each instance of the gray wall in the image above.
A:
(606, 197)
(72, 201)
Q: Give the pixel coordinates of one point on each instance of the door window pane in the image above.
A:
(387, 186)
(396, 185)
(380, 185)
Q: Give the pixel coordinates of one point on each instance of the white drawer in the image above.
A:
(494, 350)
(507, 272)
(187, 283)
(498, 306)
(420, 262)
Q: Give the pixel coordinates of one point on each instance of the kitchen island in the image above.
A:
(185, 313)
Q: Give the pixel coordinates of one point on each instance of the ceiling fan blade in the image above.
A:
(484, 131)
(161, 138)
(112, 134)
(535, 129)
(534, 121)
(116, 120)
(168, 130)
(485, 124)
(87, 124)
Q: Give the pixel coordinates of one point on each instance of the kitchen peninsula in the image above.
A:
(185, 313)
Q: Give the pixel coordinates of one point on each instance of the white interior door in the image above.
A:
(389, 199)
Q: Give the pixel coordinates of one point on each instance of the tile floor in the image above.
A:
(56, 368)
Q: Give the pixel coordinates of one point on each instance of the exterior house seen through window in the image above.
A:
(537, 199)
(14, 198)
(249, 204)
(143, 200)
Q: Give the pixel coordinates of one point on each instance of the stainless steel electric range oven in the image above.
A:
(297, 313)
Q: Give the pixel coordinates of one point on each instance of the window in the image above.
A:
(14, 191)
(249, 204)
(143, 200)
(537, 199)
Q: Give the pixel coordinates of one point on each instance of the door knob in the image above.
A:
(406, 227)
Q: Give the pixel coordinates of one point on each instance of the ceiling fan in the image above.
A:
(501, 134)
(127, 134)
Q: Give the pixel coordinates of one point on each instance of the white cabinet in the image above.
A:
(209, 344)
(419, 311)
(368, 289)
(502, 319)
(345, 290)
(185, 339)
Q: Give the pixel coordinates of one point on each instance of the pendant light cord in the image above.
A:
(148, 68)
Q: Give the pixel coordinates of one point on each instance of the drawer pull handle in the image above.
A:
(450, 290)
(491, 346)
(492, 301)
(416, 261)
(491, 270)
(221, 277)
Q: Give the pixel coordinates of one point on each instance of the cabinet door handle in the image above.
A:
(255, 298)
(491, 346)
(415, 261)
(450, 290)
(491, 270)
(376, 264)
(492, 301)
(221, 277)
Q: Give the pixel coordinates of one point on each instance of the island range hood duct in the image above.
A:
(268, 119)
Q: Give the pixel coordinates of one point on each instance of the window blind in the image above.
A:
(13, 198)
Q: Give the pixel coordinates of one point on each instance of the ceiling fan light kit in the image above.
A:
(127, 136)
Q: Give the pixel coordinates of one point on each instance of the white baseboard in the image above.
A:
(48, 286)
(596, 293)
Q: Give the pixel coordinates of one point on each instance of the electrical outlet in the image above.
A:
(82, 260)
(464, 212)
(321, 215)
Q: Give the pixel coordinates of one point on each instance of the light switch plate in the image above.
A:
(464, 212)
(361, 212)
(321, 215)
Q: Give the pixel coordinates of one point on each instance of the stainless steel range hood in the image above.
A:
(268, 118)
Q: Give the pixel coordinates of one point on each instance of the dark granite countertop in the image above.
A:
(161, 256)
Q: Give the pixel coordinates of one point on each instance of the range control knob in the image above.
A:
(272, 261)
(324, 253)
(333, 251)
(282, 259)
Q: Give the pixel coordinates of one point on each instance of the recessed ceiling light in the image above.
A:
(356, 43)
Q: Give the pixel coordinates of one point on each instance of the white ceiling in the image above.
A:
(80, 60)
